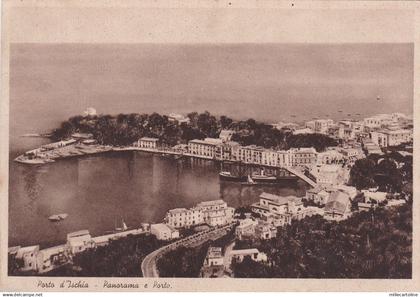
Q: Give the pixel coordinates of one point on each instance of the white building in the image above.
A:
(182, 217)
(250, 154)
(214, 257)
(387, 137)
(317, 195)
(246, 228)
(321, 126)
(255, 255)
(163, 232)
(148, 142)
(90, 111)
(327, 175)
(337, 206)
(213, 213)
(29, 256)
(204, 148)
(303, 131)
(179, 118)
(216, 212)
(79, 241)
(330, 156)
(303, 157)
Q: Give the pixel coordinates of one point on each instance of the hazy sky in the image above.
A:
(268, 82)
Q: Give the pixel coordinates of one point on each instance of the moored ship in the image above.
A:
(226, 175)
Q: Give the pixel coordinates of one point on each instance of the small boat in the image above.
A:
(54, 218)
(226, 175)
(58, 217)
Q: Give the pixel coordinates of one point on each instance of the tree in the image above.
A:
(362, 174)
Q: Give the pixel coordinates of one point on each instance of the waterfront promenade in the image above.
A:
(57, 152)
(148, 265)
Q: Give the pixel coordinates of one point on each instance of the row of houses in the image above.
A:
(383, 129)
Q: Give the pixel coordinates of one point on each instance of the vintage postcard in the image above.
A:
(209, 146)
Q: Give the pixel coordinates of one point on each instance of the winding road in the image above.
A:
(148, 265)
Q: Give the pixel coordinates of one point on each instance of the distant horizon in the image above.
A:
(267, 82)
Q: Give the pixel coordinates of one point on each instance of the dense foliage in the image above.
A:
(124, 129)
(391, 173)
(187, 261)
(374, 244)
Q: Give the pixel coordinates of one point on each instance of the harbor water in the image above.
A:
(98, 192)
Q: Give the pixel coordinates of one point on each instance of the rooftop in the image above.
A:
(211, 203)
(26, 249)
(245, 252)
(161, 227)
(280, 199)
(337, 202)
(149, 139)
(177, 210)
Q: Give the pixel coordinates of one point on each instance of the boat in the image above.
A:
(226, 175)
(261, 177)
(58, 217)
(54, 218)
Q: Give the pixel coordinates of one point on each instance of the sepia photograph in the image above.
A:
(218, 147)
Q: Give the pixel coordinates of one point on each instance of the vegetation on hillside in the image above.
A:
(373, 244)
(124, 129)
(390, 173)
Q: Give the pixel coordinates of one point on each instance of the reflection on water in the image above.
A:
(98, 191)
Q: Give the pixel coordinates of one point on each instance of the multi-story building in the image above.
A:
(164, 232)
(310, 125)
(303, 157)
(213, 265)
(327, 175)
(265, 230)
(337, 206)
(29, 257)
(148, 142)
(246, 228)
(317, 195)
(213, 213)
(216, 212)
(250, 154)
(182, 217)
(206, 148)
(321, 126)
(269, 158)
(330, 156)
(352, 154)
(79, 241)
(388, 137)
